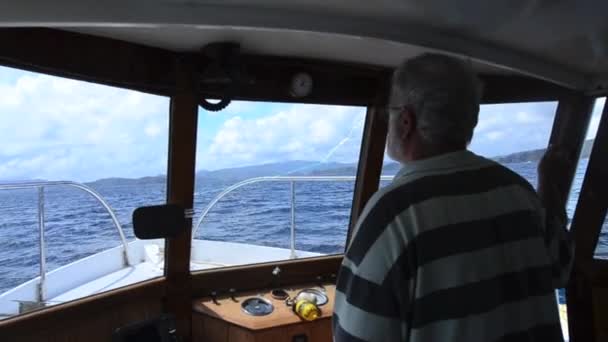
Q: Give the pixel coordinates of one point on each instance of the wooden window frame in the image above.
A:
(586, 227)
(161, 72)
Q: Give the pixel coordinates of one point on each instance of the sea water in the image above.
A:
(77, 226)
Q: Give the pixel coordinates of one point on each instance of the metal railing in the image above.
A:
(292, 180)
(41, 221)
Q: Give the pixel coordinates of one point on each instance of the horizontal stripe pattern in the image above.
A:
(364, 325)
(546, 332)
(425, 217)
(465, 237)
(393, 203)
(479, 265)
(445, 252)
(340, 334)
(361, 290)
(487, 294)
(495, 324)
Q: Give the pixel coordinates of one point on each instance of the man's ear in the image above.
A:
(408, 123)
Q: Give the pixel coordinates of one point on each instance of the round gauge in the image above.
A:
(301, 85)
(321, 298)
(257, 306)
(279, 294)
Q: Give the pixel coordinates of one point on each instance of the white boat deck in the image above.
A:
(120, 278)
(106, 271)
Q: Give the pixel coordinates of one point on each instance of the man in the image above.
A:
(458, 247)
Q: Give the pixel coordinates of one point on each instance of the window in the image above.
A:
(252, 223)
(515, 135)
(106, 142)
(601, 250)
(512, 134)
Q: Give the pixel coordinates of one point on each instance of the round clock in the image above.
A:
(301, 85)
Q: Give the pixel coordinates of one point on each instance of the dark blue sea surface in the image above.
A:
(77, 226)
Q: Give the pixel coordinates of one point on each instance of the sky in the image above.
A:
(59, 129)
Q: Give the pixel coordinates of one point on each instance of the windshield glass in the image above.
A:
(275, 181)
(64, 241)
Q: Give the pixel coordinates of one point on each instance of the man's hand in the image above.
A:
(552, 178)
(553, 174)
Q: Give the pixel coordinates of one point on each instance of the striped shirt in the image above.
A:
(457, 248)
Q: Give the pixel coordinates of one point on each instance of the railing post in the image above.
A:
(293, 220)
(42, 245)
(41, 186)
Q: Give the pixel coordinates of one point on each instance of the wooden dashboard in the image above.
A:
(223, 320)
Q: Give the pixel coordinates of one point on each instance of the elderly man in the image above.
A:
(458, 247)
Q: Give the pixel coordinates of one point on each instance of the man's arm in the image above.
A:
(553, 195)
(366, 307)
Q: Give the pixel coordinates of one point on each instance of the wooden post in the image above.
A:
(586, 226)
(370, 162)
(180, 190)
(570, 128)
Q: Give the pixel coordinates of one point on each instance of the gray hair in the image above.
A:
(444, 94)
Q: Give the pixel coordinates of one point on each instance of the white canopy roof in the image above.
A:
(565, 42)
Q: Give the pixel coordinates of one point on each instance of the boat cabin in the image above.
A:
(317, 59)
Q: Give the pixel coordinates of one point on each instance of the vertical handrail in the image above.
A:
(42, 246)
(292, 180)
(293, 220)
(40, 186)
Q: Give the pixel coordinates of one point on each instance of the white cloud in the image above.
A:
(509, 128)
(322, 131)
(55, 128)
(298, 132)
(529, 117)
(495, 135)
(307, 132)
(152, 129)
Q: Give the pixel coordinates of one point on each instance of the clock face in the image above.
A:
(301, 85)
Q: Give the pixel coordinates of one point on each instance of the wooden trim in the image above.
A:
(514, 89)
(180, 190)
(586, 227)
(88, 58)
(598, 272)
(250, 277)
(370, 162)
(570, 125)
(266, 78)
(56, 317)
(569, 129)
(229, 310)
(593, 201)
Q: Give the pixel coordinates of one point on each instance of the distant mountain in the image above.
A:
(392, 168)
(14, 181)
(117, 181)
(536, 155)
(295, 167)
(388, 169)
(313, 168)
